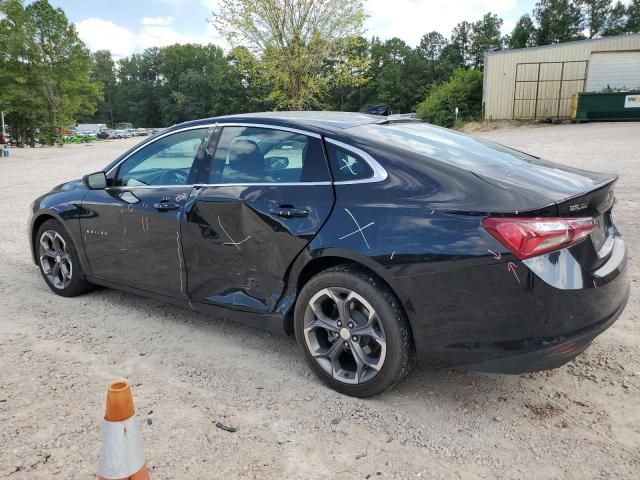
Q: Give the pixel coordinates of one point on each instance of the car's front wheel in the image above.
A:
(353, 331)
(58, 260)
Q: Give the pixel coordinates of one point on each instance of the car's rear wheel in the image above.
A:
(58, 260)
(353, 331)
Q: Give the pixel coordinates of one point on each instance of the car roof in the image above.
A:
(310, 119)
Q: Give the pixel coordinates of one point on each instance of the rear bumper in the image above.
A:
(547, 353)
(524, 318)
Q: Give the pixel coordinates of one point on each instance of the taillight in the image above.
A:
(528, 237)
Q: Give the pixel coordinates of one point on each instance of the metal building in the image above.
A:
(540, 82)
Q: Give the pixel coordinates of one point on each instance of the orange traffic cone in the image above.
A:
(121, 455)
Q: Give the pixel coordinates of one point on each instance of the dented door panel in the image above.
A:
(238, 241)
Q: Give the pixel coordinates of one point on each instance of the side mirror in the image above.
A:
(95, 181)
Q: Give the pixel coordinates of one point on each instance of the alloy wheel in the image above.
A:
(344, 335)
(55, 259)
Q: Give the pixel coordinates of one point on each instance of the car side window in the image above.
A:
(346, 165)
(166, 161)
(249, 155)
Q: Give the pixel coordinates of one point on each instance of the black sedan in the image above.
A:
(371, 239)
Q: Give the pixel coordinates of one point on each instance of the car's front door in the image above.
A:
(131, 229)
(268, 193)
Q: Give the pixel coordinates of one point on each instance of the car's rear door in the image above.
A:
(131, 229)
(267, 194)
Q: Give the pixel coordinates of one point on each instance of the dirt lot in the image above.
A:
(57, 356)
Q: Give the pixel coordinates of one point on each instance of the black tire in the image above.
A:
(75, 283)
(399, 357)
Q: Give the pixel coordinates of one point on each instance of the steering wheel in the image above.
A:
(172, 177)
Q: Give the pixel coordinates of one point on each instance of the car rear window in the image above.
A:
(446, 146)
(486, 159)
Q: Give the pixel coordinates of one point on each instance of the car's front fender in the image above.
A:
(65, 206)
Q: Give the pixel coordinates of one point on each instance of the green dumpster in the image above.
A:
(617, 106)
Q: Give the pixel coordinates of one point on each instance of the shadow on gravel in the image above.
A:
(427, 380)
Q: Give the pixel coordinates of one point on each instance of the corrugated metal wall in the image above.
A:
(550, 74)
(613, 70)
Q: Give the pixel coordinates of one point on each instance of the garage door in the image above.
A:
(616, 70)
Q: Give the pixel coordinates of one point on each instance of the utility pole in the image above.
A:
(4, 135)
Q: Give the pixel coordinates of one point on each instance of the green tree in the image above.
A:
(45, 67)
(431, 45)
(558, 21)
(20, 97)
(253, 78)
(523, 34)
(63, 69)
(633, 17)
(616, 20)
(197, 82)
(293, 39)
(463, 90)
(450, 60)
(485, 37)
(398, 75)
(461, 37)
(139, 89)
(350, 70)
(103, 73)
(596, 13)
(441, 56)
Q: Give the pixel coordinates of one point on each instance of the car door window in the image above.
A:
(249, 155)
(166, 161)
(346, 165)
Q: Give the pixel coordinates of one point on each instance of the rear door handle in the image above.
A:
(289, 212)
(162, 206)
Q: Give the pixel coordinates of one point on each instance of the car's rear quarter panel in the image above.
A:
(467, 298)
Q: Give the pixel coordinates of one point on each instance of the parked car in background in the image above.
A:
(104, 134)
(371, 239)
(122, 134)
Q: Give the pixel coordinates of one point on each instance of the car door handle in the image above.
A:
(166, 206)
(289, 212)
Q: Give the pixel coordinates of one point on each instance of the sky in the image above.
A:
(127, 26)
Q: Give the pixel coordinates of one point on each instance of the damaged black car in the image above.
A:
(374, 240)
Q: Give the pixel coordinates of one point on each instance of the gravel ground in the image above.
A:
(190, 371)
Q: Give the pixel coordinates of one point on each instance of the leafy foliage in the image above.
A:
(462, 90)
(632, 24)
(523, 34)
(44, 70)
(293, 39)
(595, 14)
(558, 21)
(485, 37)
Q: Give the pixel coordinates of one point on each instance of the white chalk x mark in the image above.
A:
(231, 240)
(358, 230)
